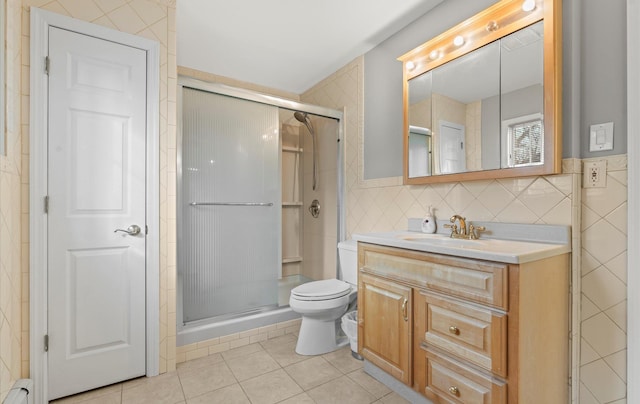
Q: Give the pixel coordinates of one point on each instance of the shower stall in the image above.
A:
(249, 168)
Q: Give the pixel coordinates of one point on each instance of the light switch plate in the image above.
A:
(594, 174)
(601, 137)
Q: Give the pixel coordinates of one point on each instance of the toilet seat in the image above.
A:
(321, 290)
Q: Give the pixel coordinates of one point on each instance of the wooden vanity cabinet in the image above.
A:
(475, 331)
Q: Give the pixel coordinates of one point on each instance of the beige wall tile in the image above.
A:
(602, 382)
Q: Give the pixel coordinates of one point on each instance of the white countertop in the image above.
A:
(499, 250)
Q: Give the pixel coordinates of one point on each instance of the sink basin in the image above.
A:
(442, 240)
(435, 241)
(421, 236)
(492, 249)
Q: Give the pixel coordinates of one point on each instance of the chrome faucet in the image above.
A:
(471, 233)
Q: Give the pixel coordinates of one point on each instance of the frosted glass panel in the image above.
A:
(229, 256)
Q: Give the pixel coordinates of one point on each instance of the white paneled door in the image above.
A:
(452, 153)
(96, 185)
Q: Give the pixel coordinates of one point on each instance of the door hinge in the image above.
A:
(47, 65)
(46, 204)
(146, 229)
(46, 343)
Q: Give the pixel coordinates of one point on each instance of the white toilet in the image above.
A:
(322, 304)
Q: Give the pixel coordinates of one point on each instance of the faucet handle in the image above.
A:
(453, 227)
(473, 231)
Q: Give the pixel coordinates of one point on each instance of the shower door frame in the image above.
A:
(248, 95)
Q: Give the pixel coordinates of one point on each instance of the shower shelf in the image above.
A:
(291, 149)
(289, 260)
(291, 204)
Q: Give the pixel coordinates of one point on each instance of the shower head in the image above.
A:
(304, 118)
(301, 116)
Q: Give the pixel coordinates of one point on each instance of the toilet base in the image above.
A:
(318, 337)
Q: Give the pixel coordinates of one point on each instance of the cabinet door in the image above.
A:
(384, 313)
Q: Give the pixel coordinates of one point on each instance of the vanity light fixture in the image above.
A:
(528, 5)
(410, 65)
(458, 41)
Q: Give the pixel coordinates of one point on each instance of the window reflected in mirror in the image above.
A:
(522, 97)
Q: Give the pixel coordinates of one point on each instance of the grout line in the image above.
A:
(184, 396)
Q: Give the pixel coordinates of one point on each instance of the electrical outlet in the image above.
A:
(594, 174)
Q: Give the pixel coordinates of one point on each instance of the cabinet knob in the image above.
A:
(454, 330)
(454, 390)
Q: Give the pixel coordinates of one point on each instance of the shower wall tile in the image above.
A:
(340, 92)
(214, 78)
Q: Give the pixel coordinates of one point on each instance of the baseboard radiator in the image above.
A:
(20, 393)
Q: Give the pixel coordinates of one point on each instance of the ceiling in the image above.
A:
(288, 45)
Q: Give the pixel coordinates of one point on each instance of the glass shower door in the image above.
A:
(229, 249)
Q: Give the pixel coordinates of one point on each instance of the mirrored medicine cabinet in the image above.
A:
(483, 99)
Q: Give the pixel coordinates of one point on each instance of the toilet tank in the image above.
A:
(348, 256)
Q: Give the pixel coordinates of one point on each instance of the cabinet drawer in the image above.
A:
(479, 281)
(453, 382)
(475, 334)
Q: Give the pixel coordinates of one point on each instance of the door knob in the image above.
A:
(132, 230)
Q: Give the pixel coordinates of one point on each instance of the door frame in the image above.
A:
(41, 20)
(633, 206)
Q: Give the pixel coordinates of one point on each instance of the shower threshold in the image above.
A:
(204, 329)
(225, 317)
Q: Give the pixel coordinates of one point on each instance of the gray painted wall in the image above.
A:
(383, 84)
(603, 71)
(594, 78)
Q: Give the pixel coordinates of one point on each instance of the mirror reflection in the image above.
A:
(481, 111)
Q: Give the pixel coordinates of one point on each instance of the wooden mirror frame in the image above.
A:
(497, 21)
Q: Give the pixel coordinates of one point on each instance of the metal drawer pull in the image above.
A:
(454, 390)
(454, 330)
(404, 310)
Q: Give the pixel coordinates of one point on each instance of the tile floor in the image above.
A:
(266, 372)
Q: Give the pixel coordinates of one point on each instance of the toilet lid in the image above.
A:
(321, 290)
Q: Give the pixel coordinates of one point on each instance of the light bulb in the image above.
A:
(435, 54)
(528, 5)
(411, 65)
(458, 41)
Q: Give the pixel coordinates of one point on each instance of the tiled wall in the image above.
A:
(11, 235)
(597, 216)
(604, 288)
(153, 19)
(320, 236)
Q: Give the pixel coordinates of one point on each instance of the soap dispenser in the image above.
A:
(429, 222)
